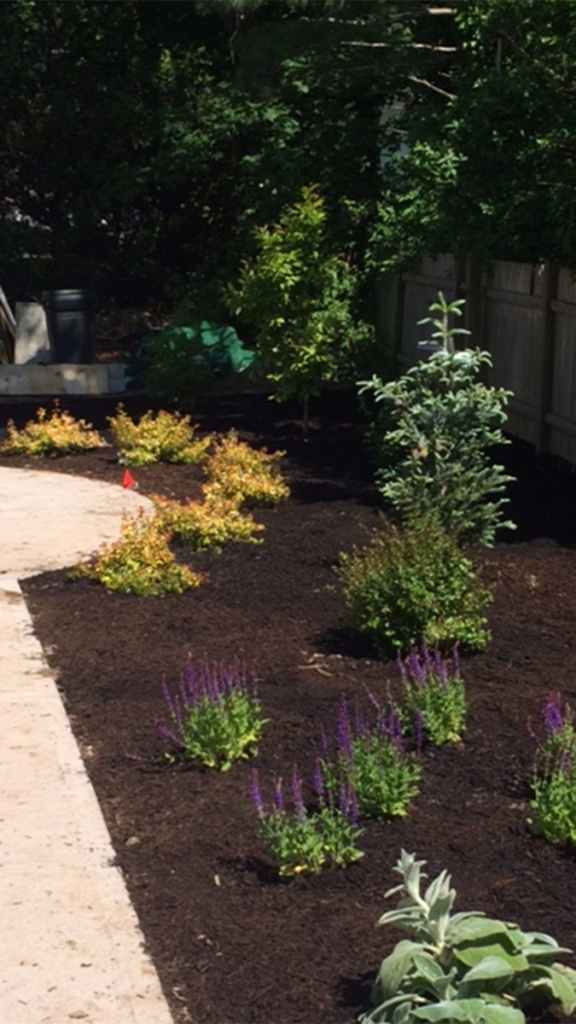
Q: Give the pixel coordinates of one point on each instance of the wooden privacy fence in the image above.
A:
(524, 315)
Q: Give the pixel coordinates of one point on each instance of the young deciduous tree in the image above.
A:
(297, 293)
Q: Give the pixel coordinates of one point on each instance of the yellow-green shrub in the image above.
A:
(207, 524)
(250, 476)
(139, 562)
(157, 437)
(51, 435)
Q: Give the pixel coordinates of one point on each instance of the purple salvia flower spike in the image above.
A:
(373, 700)
(394, 727)
(319, 785)
(163, 730)
(414, 666)
(296, 787)
(256, 794)
(552, 714)
(343, 731)
(343, 797)
(353, 809)
(277, 795)
(419, 731)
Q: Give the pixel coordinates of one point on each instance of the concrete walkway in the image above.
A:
(70, 945)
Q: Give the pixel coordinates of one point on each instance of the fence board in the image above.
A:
(525, 316)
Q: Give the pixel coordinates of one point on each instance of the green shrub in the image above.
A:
(175, 369)
(412, 585)
(299, 294)
(437, 423)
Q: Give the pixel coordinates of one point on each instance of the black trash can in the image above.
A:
(70, 320)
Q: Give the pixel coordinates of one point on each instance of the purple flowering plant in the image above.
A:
(214, 716)
(302, 839)
(433, 694)
(369, 753)
(553, 801)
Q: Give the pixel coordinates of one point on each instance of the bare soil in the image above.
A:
(231, 943)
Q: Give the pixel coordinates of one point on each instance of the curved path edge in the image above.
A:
(71, 948)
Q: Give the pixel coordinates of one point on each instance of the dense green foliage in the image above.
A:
(412, 585)
(142, 142)
(297, 294)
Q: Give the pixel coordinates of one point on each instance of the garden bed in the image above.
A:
(231, 943)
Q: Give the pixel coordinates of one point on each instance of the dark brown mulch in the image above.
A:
(230, 942)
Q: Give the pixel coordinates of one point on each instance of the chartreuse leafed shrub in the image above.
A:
(139, 562)
(244, 474)
(432, 433)
(50, 435)
(299, 295)
(411, 585)
(553, 801)
(463, 967)
(303, 839)
(214, 715)
(211, 523)
(157, 437)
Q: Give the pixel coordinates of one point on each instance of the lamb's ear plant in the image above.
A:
(464, 966)
(432, 433)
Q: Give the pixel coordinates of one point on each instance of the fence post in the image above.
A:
(473, 310)
(549, 292)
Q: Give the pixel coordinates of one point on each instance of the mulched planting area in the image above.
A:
(231, 943)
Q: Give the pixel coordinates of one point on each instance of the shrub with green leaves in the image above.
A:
(157, 437)
(298, 295)
(51, 435)
(438, 422)
(463, 967)
(175, 368)
(412, 585)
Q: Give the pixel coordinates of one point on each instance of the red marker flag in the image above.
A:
(128, 480)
